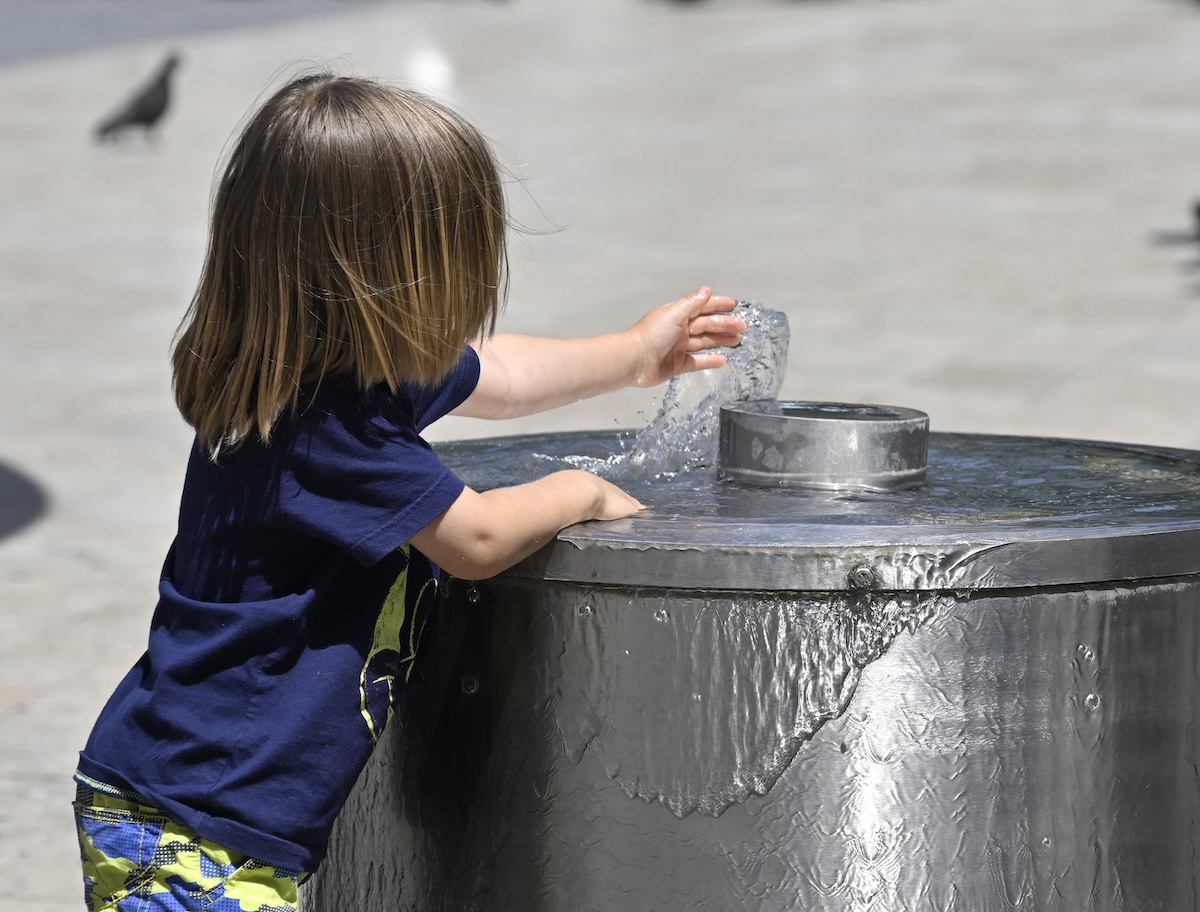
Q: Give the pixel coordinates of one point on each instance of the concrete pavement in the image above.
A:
(979, 208)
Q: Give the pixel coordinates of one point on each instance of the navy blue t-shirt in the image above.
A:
(289, 612)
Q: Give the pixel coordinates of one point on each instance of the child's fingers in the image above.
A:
(617, 503)
(703, 361)
(700, 303)
(718, 304)
(715, 331)
(714, 340)
(689, 306)
(721, 324)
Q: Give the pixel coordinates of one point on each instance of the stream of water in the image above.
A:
(685, 433)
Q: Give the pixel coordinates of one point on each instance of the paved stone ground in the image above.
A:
(975, 207)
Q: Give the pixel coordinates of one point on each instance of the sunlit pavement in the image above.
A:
(979, 209)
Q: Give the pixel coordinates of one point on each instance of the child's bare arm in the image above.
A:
(481, 534)
(521, 375)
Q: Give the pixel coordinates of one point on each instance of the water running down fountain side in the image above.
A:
(979, 693)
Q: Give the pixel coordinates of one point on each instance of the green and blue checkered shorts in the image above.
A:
(136, 859)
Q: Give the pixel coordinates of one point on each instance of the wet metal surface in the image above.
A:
(976, 695)
(995, 512)
(1023, 750)
(831, 445)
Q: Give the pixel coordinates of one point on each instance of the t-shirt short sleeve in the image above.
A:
(433, 402)
(361, 477)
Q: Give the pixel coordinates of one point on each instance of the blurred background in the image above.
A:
(978, 208)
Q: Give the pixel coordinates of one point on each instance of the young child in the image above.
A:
(354, 273)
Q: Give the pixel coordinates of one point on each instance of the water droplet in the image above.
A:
(661, 615)
(1045, 842)
(1091, 702)
(473, 595)
(585, 611)
(1086, 653)
(470, 685)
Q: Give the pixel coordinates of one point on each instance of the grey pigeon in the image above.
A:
(144, 109)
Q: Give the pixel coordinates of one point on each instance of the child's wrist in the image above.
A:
(634, 347)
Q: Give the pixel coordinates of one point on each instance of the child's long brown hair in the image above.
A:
(358, 229)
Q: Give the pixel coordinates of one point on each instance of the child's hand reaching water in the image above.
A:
(678, 337)
(522, 375)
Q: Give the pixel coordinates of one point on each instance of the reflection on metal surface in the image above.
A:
(978, 695)
(996, 512)
(823, 445)
(1032, 750)
(701, 742)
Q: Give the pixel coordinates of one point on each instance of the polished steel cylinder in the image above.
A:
(823, 445)
(979, 694)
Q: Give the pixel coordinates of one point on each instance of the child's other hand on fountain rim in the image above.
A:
(679, 337)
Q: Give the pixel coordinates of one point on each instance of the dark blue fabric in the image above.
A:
(281, 637)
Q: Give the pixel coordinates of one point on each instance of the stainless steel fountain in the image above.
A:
(856, 666)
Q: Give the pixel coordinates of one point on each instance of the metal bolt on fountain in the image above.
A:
(842, 663)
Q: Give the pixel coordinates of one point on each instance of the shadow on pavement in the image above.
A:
(21, 501)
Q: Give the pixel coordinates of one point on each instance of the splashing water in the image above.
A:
(685, 433)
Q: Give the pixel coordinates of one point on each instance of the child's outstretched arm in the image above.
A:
(479, 535)
(521, 375)
(482, 534)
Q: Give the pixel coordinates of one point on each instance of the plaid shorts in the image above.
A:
(136, 859)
